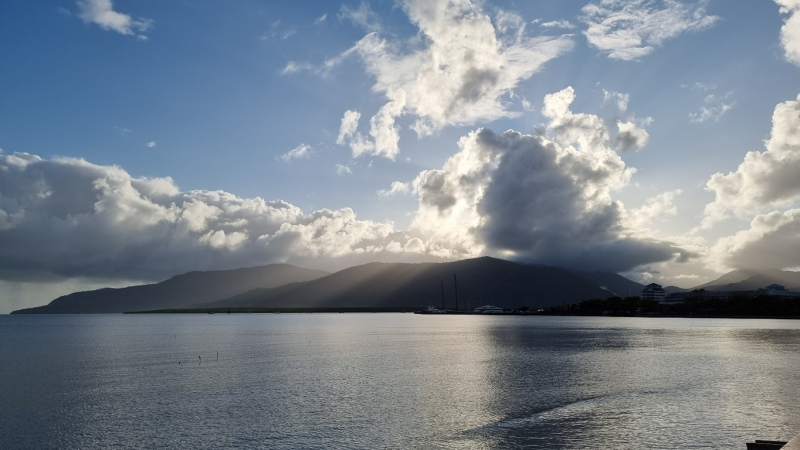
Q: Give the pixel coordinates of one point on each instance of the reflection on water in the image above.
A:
(395, 381)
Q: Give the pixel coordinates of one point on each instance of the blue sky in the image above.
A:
(215, 96)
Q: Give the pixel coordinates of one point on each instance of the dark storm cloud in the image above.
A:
(542, 199)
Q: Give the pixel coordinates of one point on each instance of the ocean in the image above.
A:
(395, 381)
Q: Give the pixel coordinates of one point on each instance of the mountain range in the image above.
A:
(750, 280)
(180, 291)
(478, 281)
(615, 284)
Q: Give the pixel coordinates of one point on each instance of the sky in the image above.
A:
(659, 139)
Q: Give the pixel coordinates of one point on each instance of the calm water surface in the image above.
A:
(395, 381)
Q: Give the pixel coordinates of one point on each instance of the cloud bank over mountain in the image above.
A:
(424, 125)
(547, 198)
(772, 241)
(67, 217)
(537, 198)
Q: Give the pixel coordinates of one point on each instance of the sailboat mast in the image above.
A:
(455, 281)
(442, 294)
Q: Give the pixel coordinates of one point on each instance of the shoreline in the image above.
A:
(262, 310)
(673, 316)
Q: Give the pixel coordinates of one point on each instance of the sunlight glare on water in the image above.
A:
(395, 381)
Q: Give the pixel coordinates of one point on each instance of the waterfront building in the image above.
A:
(653, 291)
(779, 291)
(775, 289)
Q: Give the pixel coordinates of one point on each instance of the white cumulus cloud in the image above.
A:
(558, 24)
(458, 75)
(655, 210)
(772, 241)
(363, 16)
(764, 179)
(295, 67)
(714, 107)
(790, 31)
(301, 151)
(707, 113)
(620, 98)
(101, 12)
(342, 169)
(349, 126)
(631, 136)
(397, 187)
(631, 29)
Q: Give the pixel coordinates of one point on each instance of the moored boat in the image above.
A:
(431, 310)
